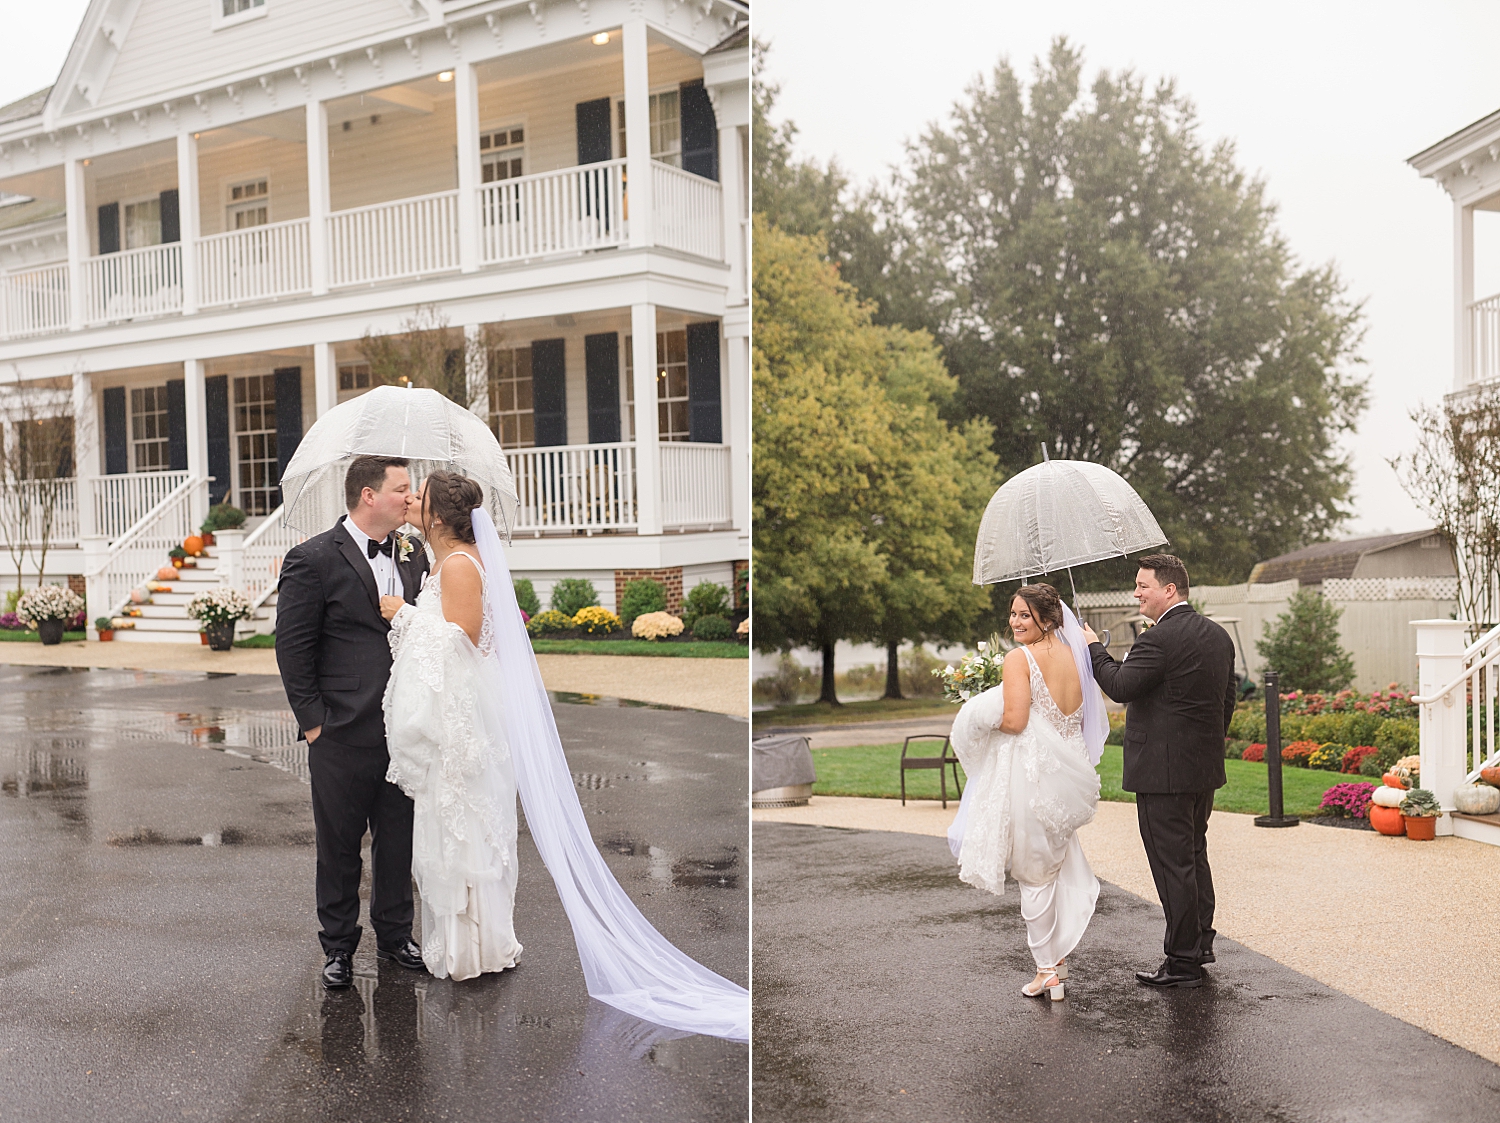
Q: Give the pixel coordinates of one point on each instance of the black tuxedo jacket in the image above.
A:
(331, 641)
(1179, 683)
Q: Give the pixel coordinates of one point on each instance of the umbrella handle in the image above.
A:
(1104, 639)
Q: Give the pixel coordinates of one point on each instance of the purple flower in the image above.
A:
(1348, 800)
(12, 623)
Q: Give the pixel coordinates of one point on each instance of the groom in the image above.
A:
(1179, 682)
(334, 656)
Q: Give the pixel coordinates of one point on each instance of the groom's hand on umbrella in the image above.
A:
(1088, 634)
(390, 605)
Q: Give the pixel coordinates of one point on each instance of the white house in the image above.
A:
(219, 198)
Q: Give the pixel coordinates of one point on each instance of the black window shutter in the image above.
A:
(216, 408)
(549, 392)
(593, 119)
(288, 416)
(109, 228)
(700, 130)
(601, 361)
(176, 425)
(116, 443)
(171, 222)
(705, 421)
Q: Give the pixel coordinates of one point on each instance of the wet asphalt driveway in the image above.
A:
(885, 989)
(158, 942)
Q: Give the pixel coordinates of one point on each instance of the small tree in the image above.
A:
(429, 352)
(35, 467)
(1303, 648)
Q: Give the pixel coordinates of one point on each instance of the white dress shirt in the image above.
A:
(387, 576)
(1169, 608)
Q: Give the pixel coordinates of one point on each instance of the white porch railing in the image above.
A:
(23, 512)
(695, 487)
(263, 551)
(1477, 688)
(122, 286)
(255, 264)
(553, 212)
(120, 501)
(34, 301)
(1484, 325)
(143, 548)
(689, 212)
(574, 487)
(406, 238)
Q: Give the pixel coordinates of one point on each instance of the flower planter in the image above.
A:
(51, 631)
(219, 637)
(1421, 828)
(106, 635)
(1387, 820)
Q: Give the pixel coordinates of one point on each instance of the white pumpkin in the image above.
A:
(1477, 799)
(1392, 797)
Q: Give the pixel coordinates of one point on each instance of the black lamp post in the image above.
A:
(1273, 758)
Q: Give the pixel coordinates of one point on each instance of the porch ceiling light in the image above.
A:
(445, 76)
(601, 39)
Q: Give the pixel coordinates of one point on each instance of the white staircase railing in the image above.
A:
(121, 500)
(566, 211)
(405, 238)
(1477, 686)
(689, 211)
(263, 551)
(574, 487)
(260, 263)
(137, 554)
(695, 487)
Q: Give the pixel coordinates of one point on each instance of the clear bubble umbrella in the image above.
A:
(1058, 514)
(419, 424)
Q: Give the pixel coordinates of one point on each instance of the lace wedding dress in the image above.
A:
(1028, 794)
(449, 753)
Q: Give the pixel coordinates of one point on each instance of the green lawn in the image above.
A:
(692, 649)
(873, 770)
(878, 709)
(265, 640)
(8, 636)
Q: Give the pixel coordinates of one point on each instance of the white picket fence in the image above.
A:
(689, 212)
(34, 301)
(407, 238)
(132, 283)
(567, 211)
(261, 263)
(695, 485)
(574, 487)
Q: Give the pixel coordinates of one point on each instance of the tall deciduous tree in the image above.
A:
(1103, 281)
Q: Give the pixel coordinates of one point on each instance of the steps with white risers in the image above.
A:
(165, 619)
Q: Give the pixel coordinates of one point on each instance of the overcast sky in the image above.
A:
(1325, 101)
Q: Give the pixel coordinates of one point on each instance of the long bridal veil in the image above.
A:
(626, 962)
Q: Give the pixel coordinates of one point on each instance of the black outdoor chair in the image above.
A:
(939, 762)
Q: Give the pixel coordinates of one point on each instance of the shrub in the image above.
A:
(1255, 753)
(1372, 765)
(223, 516)
(1347, 800)
(1116, 729)
(917, 679)
(526, 596)
(1293, 728)
(790, 681)
(571, 594)
(596, 621)
(639, 597)
(550, 621)
(1324, 728)
(1248, 724)
(1299, 753)
(1304, 645)
(1360, 728)
(1399, 733)
(1328, 757)
(712, 628)
(655, 625)
(705, 599)
(1354, 759)
(11, 598)
(1235, 750)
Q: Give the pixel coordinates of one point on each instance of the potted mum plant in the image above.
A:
(1420, 809)
(218, 610)
(48, 608)
(105, 627)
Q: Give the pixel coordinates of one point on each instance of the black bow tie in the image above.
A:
(373, 547)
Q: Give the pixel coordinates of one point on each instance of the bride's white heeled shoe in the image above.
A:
(1061, 970)
(1051, 985)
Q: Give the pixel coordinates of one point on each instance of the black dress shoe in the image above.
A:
(1164, 978)
(338, 972)
(408, 955)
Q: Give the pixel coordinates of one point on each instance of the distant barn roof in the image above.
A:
(1313, 565)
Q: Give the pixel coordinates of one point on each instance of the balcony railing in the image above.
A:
(553, 212)
(695, 487)
(574, 487)
(132, 283)
(1484, 323)
(35, 301)
(28, 506)
(407, 238)
(261, 263)
(121, 501)
(689, 212)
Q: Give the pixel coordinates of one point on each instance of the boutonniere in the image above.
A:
(405, 546)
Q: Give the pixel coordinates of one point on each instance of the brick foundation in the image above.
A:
(740, 567)
(670, 578)
(77, 583)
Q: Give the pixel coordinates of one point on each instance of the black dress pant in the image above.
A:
(350, 793)
(1174, 829)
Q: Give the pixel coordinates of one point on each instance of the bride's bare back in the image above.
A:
(1053, 658)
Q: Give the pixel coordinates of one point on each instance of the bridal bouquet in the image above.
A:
(975, 673)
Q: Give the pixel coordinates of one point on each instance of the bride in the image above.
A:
(1029, 748)
(469, 727)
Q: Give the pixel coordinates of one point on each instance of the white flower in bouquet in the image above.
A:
(220, 605)
(48, 602)
(975, 673)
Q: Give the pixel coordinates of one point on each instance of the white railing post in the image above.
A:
(647, 433)
(195, 406)
(76, 202)
(731, 183)
(85, 452)
(1440, 659)
(187, 218)
(737, 429)
(229, 548)
(466, 95)
(95, 549)
(1463, 294)
(638, 134)
(318, 204)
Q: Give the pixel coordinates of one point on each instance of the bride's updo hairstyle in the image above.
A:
(1046, 606)
(452, 498)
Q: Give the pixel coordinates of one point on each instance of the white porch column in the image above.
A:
(76, 201)
(638, 137)
(737, 419)
(731, 183)
(325, 378)
(85, 451)
(477, 371)
(318, 204)
(229, 545)
(197, 436)
(647, 435)
(1463, 295)
(466, 110)
(187, 218)
(1440, 660)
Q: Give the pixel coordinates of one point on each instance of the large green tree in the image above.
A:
(1102, 280)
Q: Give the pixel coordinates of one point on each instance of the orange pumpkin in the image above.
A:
(1387, 820)
(193, 545)
(167, 573)
(1391, 780)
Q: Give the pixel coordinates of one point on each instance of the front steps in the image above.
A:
(165, 619)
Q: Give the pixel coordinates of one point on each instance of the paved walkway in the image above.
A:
(720, 686)
(867, 732)
(1408, 927)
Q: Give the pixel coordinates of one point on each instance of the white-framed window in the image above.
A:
(512, 416)
(502, 153)
(672, 414)
(231, 13)
(247, 204)
(150, 443)
(666, 127)
(256, 470)
(354, 376)
(140, 223)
